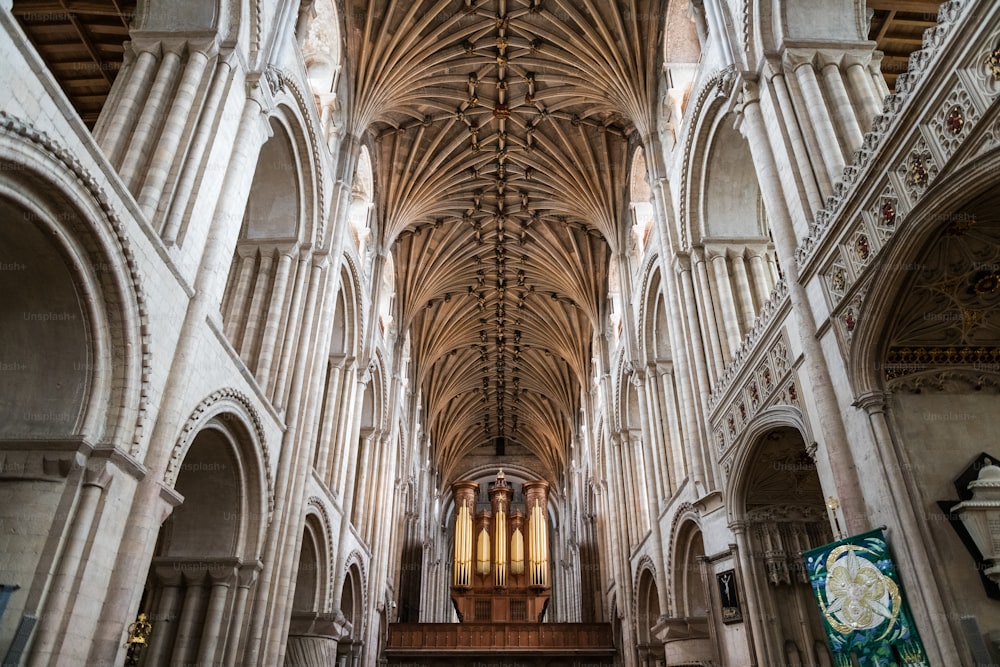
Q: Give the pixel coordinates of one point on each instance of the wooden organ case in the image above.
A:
(501, 567)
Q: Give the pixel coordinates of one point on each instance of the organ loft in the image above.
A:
(501, 552)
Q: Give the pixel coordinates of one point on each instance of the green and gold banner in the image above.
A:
(862, 604)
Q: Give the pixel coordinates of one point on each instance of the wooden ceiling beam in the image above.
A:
(886, 23)
(913, 6)
(89, 44)
(24, 9)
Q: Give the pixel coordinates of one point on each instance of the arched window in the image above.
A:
(361, 203)
(640, 198)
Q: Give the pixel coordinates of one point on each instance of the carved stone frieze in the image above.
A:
(770, 382)
(916, 167)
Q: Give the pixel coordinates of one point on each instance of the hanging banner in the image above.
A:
(861, 601)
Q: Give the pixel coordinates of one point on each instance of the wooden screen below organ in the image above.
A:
(501, 567)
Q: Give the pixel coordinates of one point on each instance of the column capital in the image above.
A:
(793, 59)
(248, 573)
(872, 402)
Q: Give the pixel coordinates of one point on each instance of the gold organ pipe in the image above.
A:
(463, 546)
(483, 553)
(465, 499)
(517, 552)
(500, 526)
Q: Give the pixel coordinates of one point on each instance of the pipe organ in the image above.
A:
(510, 580)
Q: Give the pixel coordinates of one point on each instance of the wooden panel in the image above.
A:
(560, 638)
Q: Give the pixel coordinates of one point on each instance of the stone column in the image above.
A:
(706, 314)
(654, 521)
(626, 495)
(915, 552)
(169, 580)
(725, 303)
(188, 628)
(690, 402)
(867, 102)
(812, 178)
(170, 142)
(112, 132)
(275, 315)
(878, 81)
(290, 334)
(843, 109)
(820, 123)
(762, 283)
(325, 456)
(759, 636)
(237, 302)
(221, 577)
(275, 593)
(258, 302)
(176, 223)
(814, 369)
(346, 442)
(673, 426)
(149, 120)
(664, 476)
(245, 579)
(744, 298)
(57, 607)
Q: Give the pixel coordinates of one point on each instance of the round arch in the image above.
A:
(713, 101)
(312, 581)
(686, 591)
(646, 609)
(212, 542)
(746, 449)
(60, 236)
(354, 597)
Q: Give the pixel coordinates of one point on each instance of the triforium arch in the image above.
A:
(271, 261)
(661, 382)
(88, 344)
(332, 460)
(318, 31)
(207, 557)
(732, 255)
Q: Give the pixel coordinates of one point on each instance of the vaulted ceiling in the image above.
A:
(501, 137)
